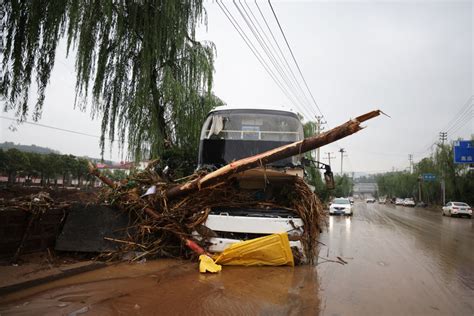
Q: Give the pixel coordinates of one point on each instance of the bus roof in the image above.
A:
(254, 107)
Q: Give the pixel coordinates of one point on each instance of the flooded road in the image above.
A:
(400, 261)
(172, 287)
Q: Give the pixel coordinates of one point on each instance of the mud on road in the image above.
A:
(172, 287)
(401, 261)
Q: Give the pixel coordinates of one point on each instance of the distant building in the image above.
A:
(123, 166)
(365, 188)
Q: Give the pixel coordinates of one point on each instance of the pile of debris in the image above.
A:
(35, 206)
(179, 219)
(33, 203)
(166, 215)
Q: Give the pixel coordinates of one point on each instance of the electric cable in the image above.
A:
(252, 48)
(261, 41)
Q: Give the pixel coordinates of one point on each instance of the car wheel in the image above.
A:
(442, 213)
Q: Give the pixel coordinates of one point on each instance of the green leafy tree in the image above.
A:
(397, 184)
(35, 166)
(344, 185)
(81, 170)
(3, 162)
(118, 175)
(68, 164)
(313, 175)
(52, 167)
(149, 79)
(459, 180)
(15, 162)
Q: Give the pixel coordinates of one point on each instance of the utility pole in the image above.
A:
(342, 151)
(410, 159)
(329, 157)
(443, 136)
(420, 179)
(319, 128)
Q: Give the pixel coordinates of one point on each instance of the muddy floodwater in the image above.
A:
(400, 261)
(172, 287)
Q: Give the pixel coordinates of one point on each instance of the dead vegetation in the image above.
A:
(174, 222)
(166, 214)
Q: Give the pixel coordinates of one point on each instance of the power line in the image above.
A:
(296, 86)
(294, 59)
(297, 65)
(461, 124)
(459, 114)
(454, 121)
(466, 116)
(288, 67)
(253, 49)
(267, 51)
(51, 127)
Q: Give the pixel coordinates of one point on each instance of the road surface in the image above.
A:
(400, 261)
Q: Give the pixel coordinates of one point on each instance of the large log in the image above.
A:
(296, 148)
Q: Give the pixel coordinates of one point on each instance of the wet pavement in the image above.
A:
(400, 261)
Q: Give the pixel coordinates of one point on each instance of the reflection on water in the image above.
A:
(174, 287)
(348, 225)
(341, 221)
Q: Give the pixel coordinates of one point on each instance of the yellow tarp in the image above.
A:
(272, 250)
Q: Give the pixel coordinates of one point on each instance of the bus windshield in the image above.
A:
(252, 126)
(234, 134)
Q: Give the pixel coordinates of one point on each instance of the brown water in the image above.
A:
(174, 287)
(401, 261)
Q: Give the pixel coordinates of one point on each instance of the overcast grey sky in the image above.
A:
(411, 59)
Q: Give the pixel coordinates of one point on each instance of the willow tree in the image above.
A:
(138, 63)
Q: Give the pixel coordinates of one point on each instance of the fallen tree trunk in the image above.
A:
(270, 156)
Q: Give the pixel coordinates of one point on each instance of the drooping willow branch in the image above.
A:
(149, 79)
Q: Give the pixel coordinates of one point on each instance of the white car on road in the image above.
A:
(457, 208)
(409, 202)
(399, 201)
(340, 206)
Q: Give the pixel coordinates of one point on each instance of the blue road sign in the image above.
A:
(428, 177)
(464, 151)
